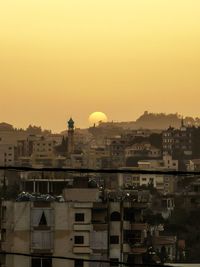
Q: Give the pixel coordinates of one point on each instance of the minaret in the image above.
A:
(70, 143)
(182, 123)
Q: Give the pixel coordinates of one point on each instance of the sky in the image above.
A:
(72, 57)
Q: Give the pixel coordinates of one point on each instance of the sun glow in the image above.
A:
(97, 117)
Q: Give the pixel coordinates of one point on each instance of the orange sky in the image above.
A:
(70, 58)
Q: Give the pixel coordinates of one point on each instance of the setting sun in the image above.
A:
(97, 117)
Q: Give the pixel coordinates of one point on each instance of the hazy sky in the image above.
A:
(61, 58)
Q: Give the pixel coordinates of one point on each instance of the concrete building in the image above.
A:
(96, 157)
(178, 142)
(145, 150)
(193, 165)
(165, 184)
(7, 155)
(83, 226)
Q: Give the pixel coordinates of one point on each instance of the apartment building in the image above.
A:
(178, 142)
(89, 224)
(7, 155)
(145, 150)
(165, 184)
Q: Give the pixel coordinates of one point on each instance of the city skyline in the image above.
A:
(74, 58)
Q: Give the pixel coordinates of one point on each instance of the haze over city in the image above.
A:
(71, 58)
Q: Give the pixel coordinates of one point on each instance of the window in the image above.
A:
(129, 214)
(43, 220)
(114, 262)
(114, 239)
(115, 216)
(79, 217)
(38, 262)
(78, 263)
(3, 213)
(3, 235)
(79, 239)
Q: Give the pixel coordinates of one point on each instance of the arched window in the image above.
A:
(115, 216)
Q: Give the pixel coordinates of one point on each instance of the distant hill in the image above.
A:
(156, 121)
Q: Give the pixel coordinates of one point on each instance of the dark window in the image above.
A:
(46, 263)
(129, 214)
(129, 236)
(79, 239)
(3, 213)
(78, 263)
(115, 216)
(38, 262)
(35, 262)
(3, 235)
(114, 239)
(79, 217)
(43, 220)
(114, 262)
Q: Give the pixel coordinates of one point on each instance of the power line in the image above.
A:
(111, 171)
(80, 259)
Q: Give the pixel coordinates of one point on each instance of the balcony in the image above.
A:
(100, 226)
(4, 246)
(126, 248)
(82, 227)
(139, 226)
(100, 205)
(135, 205)
(82, 250)
(86, 205)
(138, 250)
(42, 240)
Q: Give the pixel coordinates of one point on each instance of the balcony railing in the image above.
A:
(139, 226)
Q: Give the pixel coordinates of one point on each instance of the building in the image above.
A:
(178, 142)
(7, 155)
(89, 224)
(145, 150)
(96, 157)
(193, 165)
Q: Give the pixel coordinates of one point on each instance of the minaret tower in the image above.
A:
(70, 143)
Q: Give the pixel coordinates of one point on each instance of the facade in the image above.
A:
(142, 150)
(7, 155)
(178, 142)
(84, 226)
(96, 157)
(117, 151)
(193, 165)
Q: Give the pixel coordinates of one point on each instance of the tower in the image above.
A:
(182, 123)
(70, 144)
